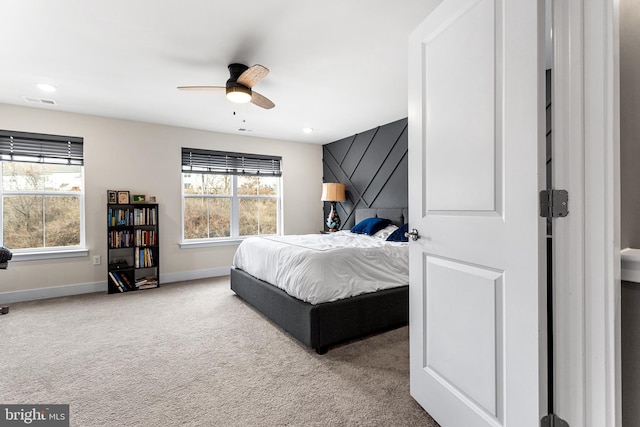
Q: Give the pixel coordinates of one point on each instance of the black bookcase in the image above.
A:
(133, 253)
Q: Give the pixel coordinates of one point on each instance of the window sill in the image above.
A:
(53, 254)
(209, 243)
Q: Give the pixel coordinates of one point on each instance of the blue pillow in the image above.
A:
(370, 226)
(398, 235)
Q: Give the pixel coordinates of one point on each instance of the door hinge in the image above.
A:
(554, 203)
(553, 420)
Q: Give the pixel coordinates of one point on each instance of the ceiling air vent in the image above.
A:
(39, 100)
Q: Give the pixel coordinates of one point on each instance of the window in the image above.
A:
(42, 195)
(229, 195)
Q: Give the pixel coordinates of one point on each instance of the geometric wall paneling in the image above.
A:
(392, 190)
(340, 148)
(357, 151)
(372, 165)
(331, 169)
(374, 160)
(384, 188)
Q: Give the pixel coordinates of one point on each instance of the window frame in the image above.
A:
(74, 157)
(234, 197)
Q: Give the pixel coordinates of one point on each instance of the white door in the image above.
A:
(476, 91)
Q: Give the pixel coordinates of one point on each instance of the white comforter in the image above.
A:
(320, 268)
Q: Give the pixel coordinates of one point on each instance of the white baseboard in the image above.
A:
(52, 292)
(194, 275)
(87, 288)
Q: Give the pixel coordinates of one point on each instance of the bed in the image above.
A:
(321, 319)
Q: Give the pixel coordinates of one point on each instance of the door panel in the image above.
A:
(461, 86)
(471, 316)
(476, 126)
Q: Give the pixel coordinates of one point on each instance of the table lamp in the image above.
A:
(333, 192)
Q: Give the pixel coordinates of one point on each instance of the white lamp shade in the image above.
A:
(333, 192)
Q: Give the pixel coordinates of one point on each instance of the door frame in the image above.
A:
(587, 242)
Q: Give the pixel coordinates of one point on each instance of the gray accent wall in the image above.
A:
(374, 167)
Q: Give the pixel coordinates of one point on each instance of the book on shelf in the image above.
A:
(120, 217)
(146, 238)
(117, 282)
(144, 258)
(126, 281)
(122, 282)
(145, 216)
(146, 282)
(120, 239)
(146, 279)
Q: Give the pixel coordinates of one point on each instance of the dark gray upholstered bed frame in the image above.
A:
(320, 326)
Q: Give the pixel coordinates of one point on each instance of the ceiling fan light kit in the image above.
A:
(239, 86)
(238, 94)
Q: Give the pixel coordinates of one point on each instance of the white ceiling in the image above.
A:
(338, 66)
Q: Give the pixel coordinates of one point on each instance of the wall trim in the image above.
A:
(194, 275)
(52, 292)
(587, 242)
(88, 288)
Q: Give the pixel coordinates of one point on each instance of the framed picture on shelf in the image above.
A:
(112, 197)
(123, 197)
(139, 198)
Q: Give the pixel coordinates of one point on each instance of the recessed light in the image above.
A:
(46, 87)
(307, 130)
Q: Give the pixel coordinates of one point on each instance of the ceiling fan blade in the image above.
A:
(201, 88)
(252, 75)
(261, 101)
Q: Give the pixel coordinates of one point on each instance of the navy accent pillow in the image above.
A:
(398, 235)
(370, 226)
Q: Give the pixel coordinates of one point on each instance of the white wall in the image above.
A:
(145, 159)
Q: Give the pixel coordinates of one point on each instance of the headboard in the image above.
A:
(398, 216)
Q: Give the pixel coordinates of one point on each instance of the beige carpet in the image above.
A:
(194, 354)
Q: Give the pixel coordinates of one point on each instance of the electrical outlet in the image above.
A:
(96, 260)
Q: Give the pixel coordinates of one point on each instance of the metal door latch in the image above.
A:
(413, 234)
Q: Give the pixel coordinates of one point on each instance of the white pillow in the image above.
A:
(385, 232)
